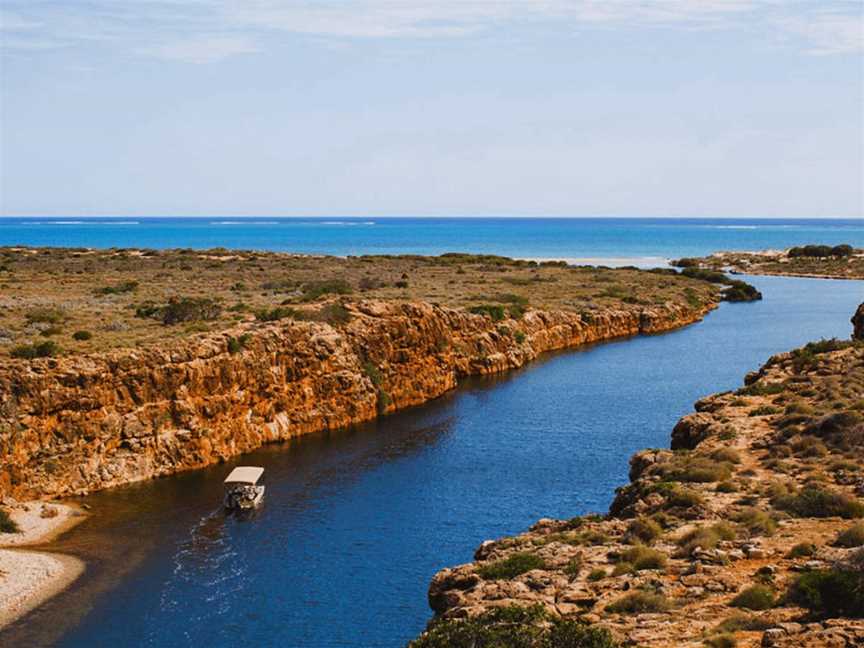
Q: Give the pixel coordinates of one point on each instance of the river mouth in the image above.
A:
(356, 521)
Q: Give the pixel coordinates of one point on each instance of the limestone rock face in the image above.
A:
(858, 324)
(74, 425)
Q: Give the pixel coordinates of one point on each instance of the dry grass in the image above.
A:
(67, 290)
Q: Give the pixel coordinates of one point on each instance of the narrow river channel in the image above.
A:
(356, 522)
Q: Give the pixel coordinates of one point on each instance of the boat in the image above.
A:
(243, 490)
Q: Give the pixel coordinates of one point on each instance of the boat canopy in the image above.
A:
(245, 475)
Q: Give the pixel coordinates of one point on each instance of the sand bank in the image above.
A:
(29, 578)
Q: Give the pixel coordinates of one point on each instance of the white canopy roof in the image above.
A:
(245, 475)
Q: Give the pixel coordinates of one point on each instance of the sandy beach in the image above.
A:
(29, 578)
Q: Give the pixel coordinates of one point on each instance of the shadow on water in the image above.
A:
(355, 522)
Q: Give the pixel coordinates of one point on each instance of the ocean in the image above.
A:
(612, 241)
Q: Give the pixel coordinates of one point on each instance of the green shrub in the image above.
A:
(596, 575)
(757, 597)
(47, 349)
(117, 289)
(236, 345)
(707, 537)
(813, 501)
(642, 557)
(830, 592)
(333, 314)
(7, 524)
(757, 522)
(276, 314)
(727, 455)
(851, 537)
(45, 316)
(494, 311)
(639, 603)
(684, 498)
(740, 291)
(573, 567)
(644, 529)
(764, 410)
(742, 622)
(513, 627)
(82, 336)
(519, 336)
(315, 289)
(384, 400)
(802, 550)
(512, 566)
(821, 251)
(623, 568)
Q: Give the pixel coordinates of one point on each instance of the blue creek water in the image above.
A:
(639, 241)
(357, 521)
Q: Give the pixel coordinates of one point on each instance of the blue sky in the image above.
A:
(460, 107)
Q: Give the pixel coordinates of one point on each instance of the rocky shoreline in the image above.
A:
(810, 261)
(746, 533)
(77, 424)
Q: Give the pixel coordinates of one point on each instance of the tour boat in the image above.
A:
(242, 488)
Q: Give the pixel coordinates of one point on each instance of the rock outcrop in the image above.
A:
(748, 533)
(858, 324)
(77, 424)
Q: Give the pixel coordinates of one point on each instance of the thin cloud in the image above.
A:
(202, 49)
(204, 31)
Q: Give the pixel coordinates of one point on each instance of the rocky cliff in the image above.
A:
(746, 533)
(77, 424)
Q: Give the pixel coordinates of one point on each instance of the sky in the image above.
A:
(412, 107)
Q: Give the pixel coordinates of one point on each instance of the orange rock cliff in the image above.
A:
(78, 424)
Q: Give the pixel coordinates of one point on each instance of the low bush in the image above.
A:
(851, 537)
(118, 289)
(706, 537)
(721, 641)
(764, 410)
(644, 530)
(642, 558)
(830, 592)
(7, 524)
(596, 575)
(740, 291)
(275, 314)
(756, 521)
(236, 345)
(181, 309)
(513, 627)
(573, 567)
(802, 550)
(45, 316)
(495, 312)
(512, 566)
(757, 597)
(82, 336)
(639, 603)
(683, 498)
(694, 469)
(47, 349)
(315, 289)
(728, 455)
(813, 501)
(821, 251)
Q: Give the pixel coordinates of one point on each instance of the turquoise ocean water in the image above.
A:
(623, 240)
